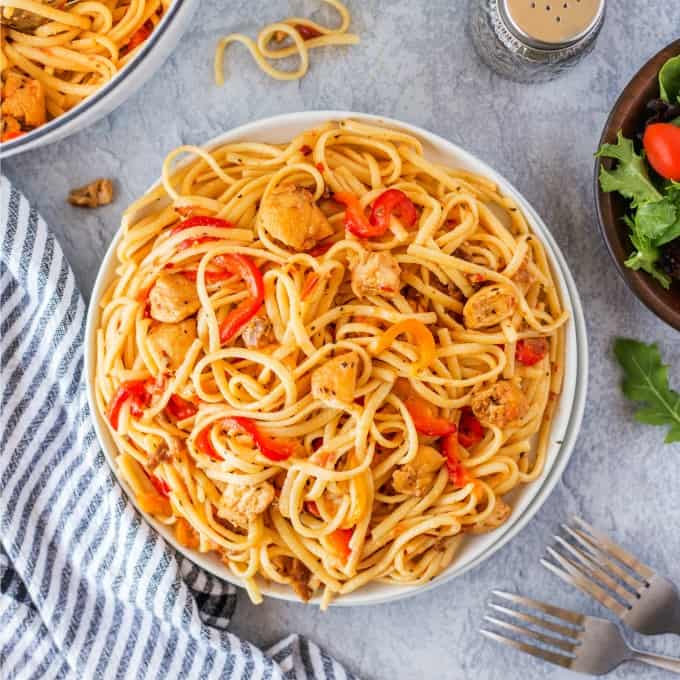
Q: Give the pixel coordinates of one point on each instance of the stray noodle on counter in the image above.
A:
(305, 35)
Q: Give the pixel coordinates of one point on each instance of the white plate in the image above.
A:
(566, 423)
(126, 82)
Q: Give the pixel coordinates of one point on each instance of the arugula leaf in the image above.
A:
(646, 381)
(630, 177)
(645, 256)
(669, 81)
(653, 219)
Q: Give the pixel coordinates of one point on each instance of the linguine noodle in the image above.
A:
(305, 35)
(367, 431)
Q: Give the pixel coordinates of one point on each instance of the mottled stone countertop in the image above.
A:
(416, 63)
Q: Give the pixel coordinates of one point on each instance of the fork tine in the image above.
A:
(533, 634)
(571, 573)
(564, 614)
(594, 570)
(617, 551)
(596, 553)
(549, 625)
(552, 657)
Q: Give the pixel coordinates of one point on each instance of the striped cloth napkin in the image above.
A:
(87, 588)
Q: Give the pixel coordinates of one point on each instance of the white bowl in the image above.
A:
(569, 412)
(155, 50)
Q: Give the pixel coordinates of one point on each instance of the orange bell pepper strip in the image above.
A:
(420, 336)
(424, 420)
(340, 539)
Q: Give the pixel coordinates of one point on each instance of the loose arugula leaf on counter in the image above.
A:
(630, 177)
(669, 81)
(646, 381)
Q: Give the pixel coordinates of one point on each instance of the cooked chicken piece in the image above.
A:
(169, 342)
(290, 215)
(523, 276)
(258, 332)
(24, 99)
(416, 478)
(92, 195)
(378, 275)
(500, 513)
(173, 298)
(503, 404)
(241, 504)
(299, 576)
(334, 382)
(162, 454)
(489, 306)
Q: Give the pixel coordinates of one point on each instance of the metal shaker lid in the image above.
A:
(551, 24)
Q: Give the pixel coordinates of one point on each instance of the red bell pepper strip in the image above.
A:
(202, 221)
(204, 445)
(340, 539)
(422, 413)
(213, 276)
(312, 508)
(180, 408)
(160, 485)
(320, 249)
(136, 391)
(307, 32)
(140, 35)
(248, 271)
(470, 430)
(388, 203)
(393, 202)
(356, 221)
(531, 350)
(199, 221)
(274, 449)
(457, 473)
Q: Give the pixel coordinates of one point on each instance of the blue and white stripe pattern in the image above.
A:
(87, 588)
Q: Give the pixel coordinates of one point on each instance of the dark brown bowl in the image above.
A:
(627, 114)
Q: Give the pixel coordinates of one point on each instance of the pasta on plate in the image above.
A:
(64, 52)
(330, 360)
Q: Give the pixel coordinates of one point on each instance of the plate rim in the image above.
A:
(571, 430)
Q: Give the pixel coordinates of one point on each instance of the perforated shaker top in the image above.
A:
(551, 24)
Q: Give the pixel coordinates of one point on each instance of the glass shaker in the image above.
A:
(534, 40)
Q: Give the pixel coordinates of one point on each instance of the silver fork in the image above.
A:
(586, 644)
(591, 561)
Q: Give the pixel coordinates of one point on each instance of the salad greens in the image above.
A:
(655, 216)
(646, 381)
(669, 81)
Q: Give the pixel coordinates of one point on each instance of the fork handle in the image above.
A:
(666, 662)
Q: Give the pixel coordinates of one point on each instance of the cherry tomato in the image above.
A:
(662, 144)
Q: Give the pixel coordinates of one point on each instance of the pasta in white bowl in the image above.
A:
(334, 355)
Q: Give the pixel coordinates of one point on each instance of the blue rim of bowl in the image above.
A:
(104, 91)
